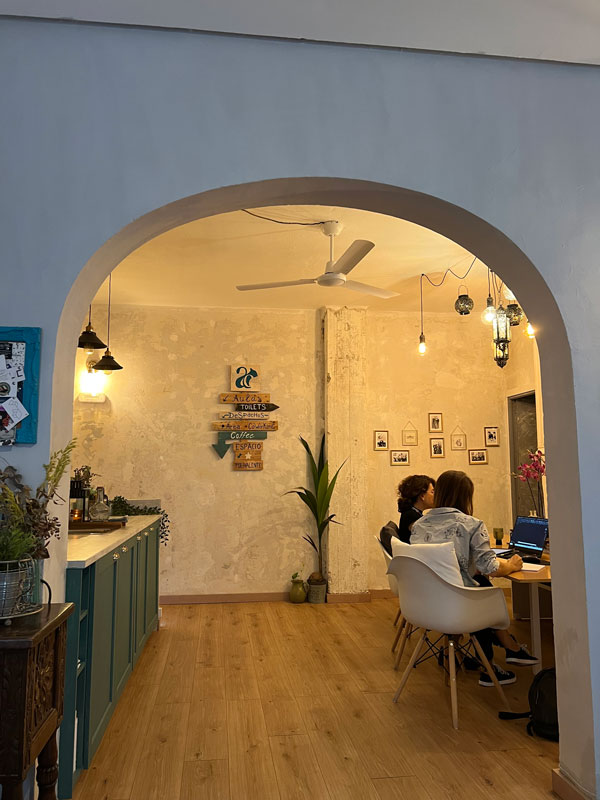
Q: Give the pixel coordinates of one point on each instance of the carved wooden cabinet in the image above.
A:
(32, 678)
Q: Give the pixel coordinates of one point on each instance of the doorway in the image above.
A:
(522, 422)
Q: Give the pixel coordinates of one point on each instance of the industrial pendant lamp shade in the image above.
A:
(464, 304)
(107, 363)
(502, 336)
(88, 340)
(514, 312)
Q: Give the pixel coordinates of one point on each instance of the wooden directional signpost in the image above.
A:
(246, 425)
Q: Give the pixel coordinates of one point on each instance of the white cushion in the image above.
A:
(441, 558)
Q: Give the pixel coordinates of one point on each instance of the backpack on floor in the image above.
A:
(543, 713)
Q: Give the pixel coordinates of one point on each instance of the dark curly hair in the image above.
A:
(411, 488)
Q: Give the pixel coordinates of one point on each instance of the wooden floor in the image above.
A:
(271, 701)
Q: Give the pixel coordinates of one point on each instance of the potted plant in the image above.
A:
(318, 501)
(26, 526)
(298, 590)
(82, 478)
(532, 472)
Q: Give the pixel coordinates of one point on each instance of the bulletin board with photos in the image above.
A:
(19, 385)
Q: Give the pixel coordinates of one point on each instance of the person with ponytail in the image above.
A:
(415, 495)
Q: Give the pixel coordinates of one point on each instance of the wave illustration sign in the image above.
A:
(245, 377)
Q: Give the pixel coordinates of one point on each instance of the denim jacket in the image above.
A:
(470, 537)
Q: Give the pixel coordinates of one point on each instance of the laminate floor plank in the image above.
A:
(205, 780)
(298, 774)
(409, 788)
(160, 767)
(251, 769)
(237, 650)
(283, 716)
(178, 674)
(209, 652)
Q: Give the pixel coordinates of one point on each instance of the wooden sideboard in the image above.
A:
(32, 680)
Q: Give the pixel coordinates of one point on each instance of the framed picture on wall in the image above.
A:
(400, 458)
(436, 423)
(19, 385)
(458, 441)
(410, 437)
(490, 436)
(478, 456)
(437, 448)
(380, 440)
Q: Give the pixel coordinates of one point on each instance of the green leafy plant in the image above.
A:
(26, 525)
(85, 475)
(317, 500)
(120, 506)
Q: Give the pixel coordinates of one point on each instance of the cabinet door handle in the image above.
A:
(124, 549)
(139, 538)
(116, 556)
(145, 533)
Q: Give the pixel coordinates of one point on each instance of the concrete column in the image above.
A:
(346, 438)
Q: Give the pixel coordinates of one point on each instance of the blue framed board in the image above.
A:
(22, 345)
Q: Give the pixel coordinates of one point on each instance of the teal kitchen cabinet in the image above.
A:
(116, 599)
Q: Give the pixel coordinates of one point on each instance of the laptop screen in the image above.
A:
(529, 533)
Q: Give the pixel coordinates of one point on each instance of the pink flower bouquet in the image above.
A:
(532, 472)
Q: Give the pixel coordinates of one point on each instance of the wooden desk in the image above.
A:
(32, 678)
(534, 580)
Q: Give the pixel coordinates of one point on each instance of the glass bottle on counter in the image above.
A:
(100, 509)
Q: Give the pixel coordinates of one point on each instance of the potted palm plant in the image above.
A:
(26, 525)
(317, 500)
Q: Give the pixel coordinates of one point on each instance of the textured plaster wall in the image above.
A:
(456, 377)
(231, 531)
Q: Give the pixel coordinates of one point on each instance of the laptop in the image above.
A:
(528, 538)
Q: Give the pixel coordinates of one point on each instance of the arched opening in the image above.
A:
(474, 234)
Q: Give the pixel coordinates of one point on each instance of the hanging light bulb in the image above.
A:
(107, 363)
(501, 336)
(88, 339)
(464, 304)
(529, 331)
(422, 349)
(489, 313)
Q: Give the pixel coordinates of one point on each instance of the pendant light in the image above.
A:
(514, 312)
(490, 311)
(530, 331)
(502, 336)
(88, 339)
(107, 363)
(464, 304)
(422, 349)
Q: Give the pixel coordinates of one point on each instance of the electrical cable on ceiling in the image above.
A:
(279, 221)
(450, 271)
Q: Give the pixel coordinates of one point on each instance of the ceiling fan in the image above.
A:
(336, 270)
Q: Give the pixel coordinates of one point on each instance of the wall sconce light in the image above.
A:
(464, 304)
(422, 349)
(530, 331)
(91, 385)
(502, 336)
(88, 339)
(107, 363)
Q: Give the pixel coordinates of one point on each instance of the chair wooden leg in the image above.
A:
(415, 654)
(453, 693)
(490, 672)
(405, 634)
(398, 633)
(398, 615)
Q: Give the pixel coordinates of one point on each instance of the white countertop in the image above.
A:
(86, 548)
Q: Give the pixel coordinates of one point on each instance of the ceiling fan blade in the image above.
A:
(248, 287)
(355, 253)
(384, 294)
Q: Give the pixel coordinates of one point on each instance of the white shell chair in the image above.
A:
(392, 582)
(430, 603)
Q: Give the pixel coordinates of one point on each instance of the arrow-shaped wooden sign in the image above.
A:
(243, 415)
(222, 447)
(255, 407)
(245, 425)
(244, 397)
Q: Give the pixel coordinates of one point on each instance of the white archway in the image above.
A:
(500, 254)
